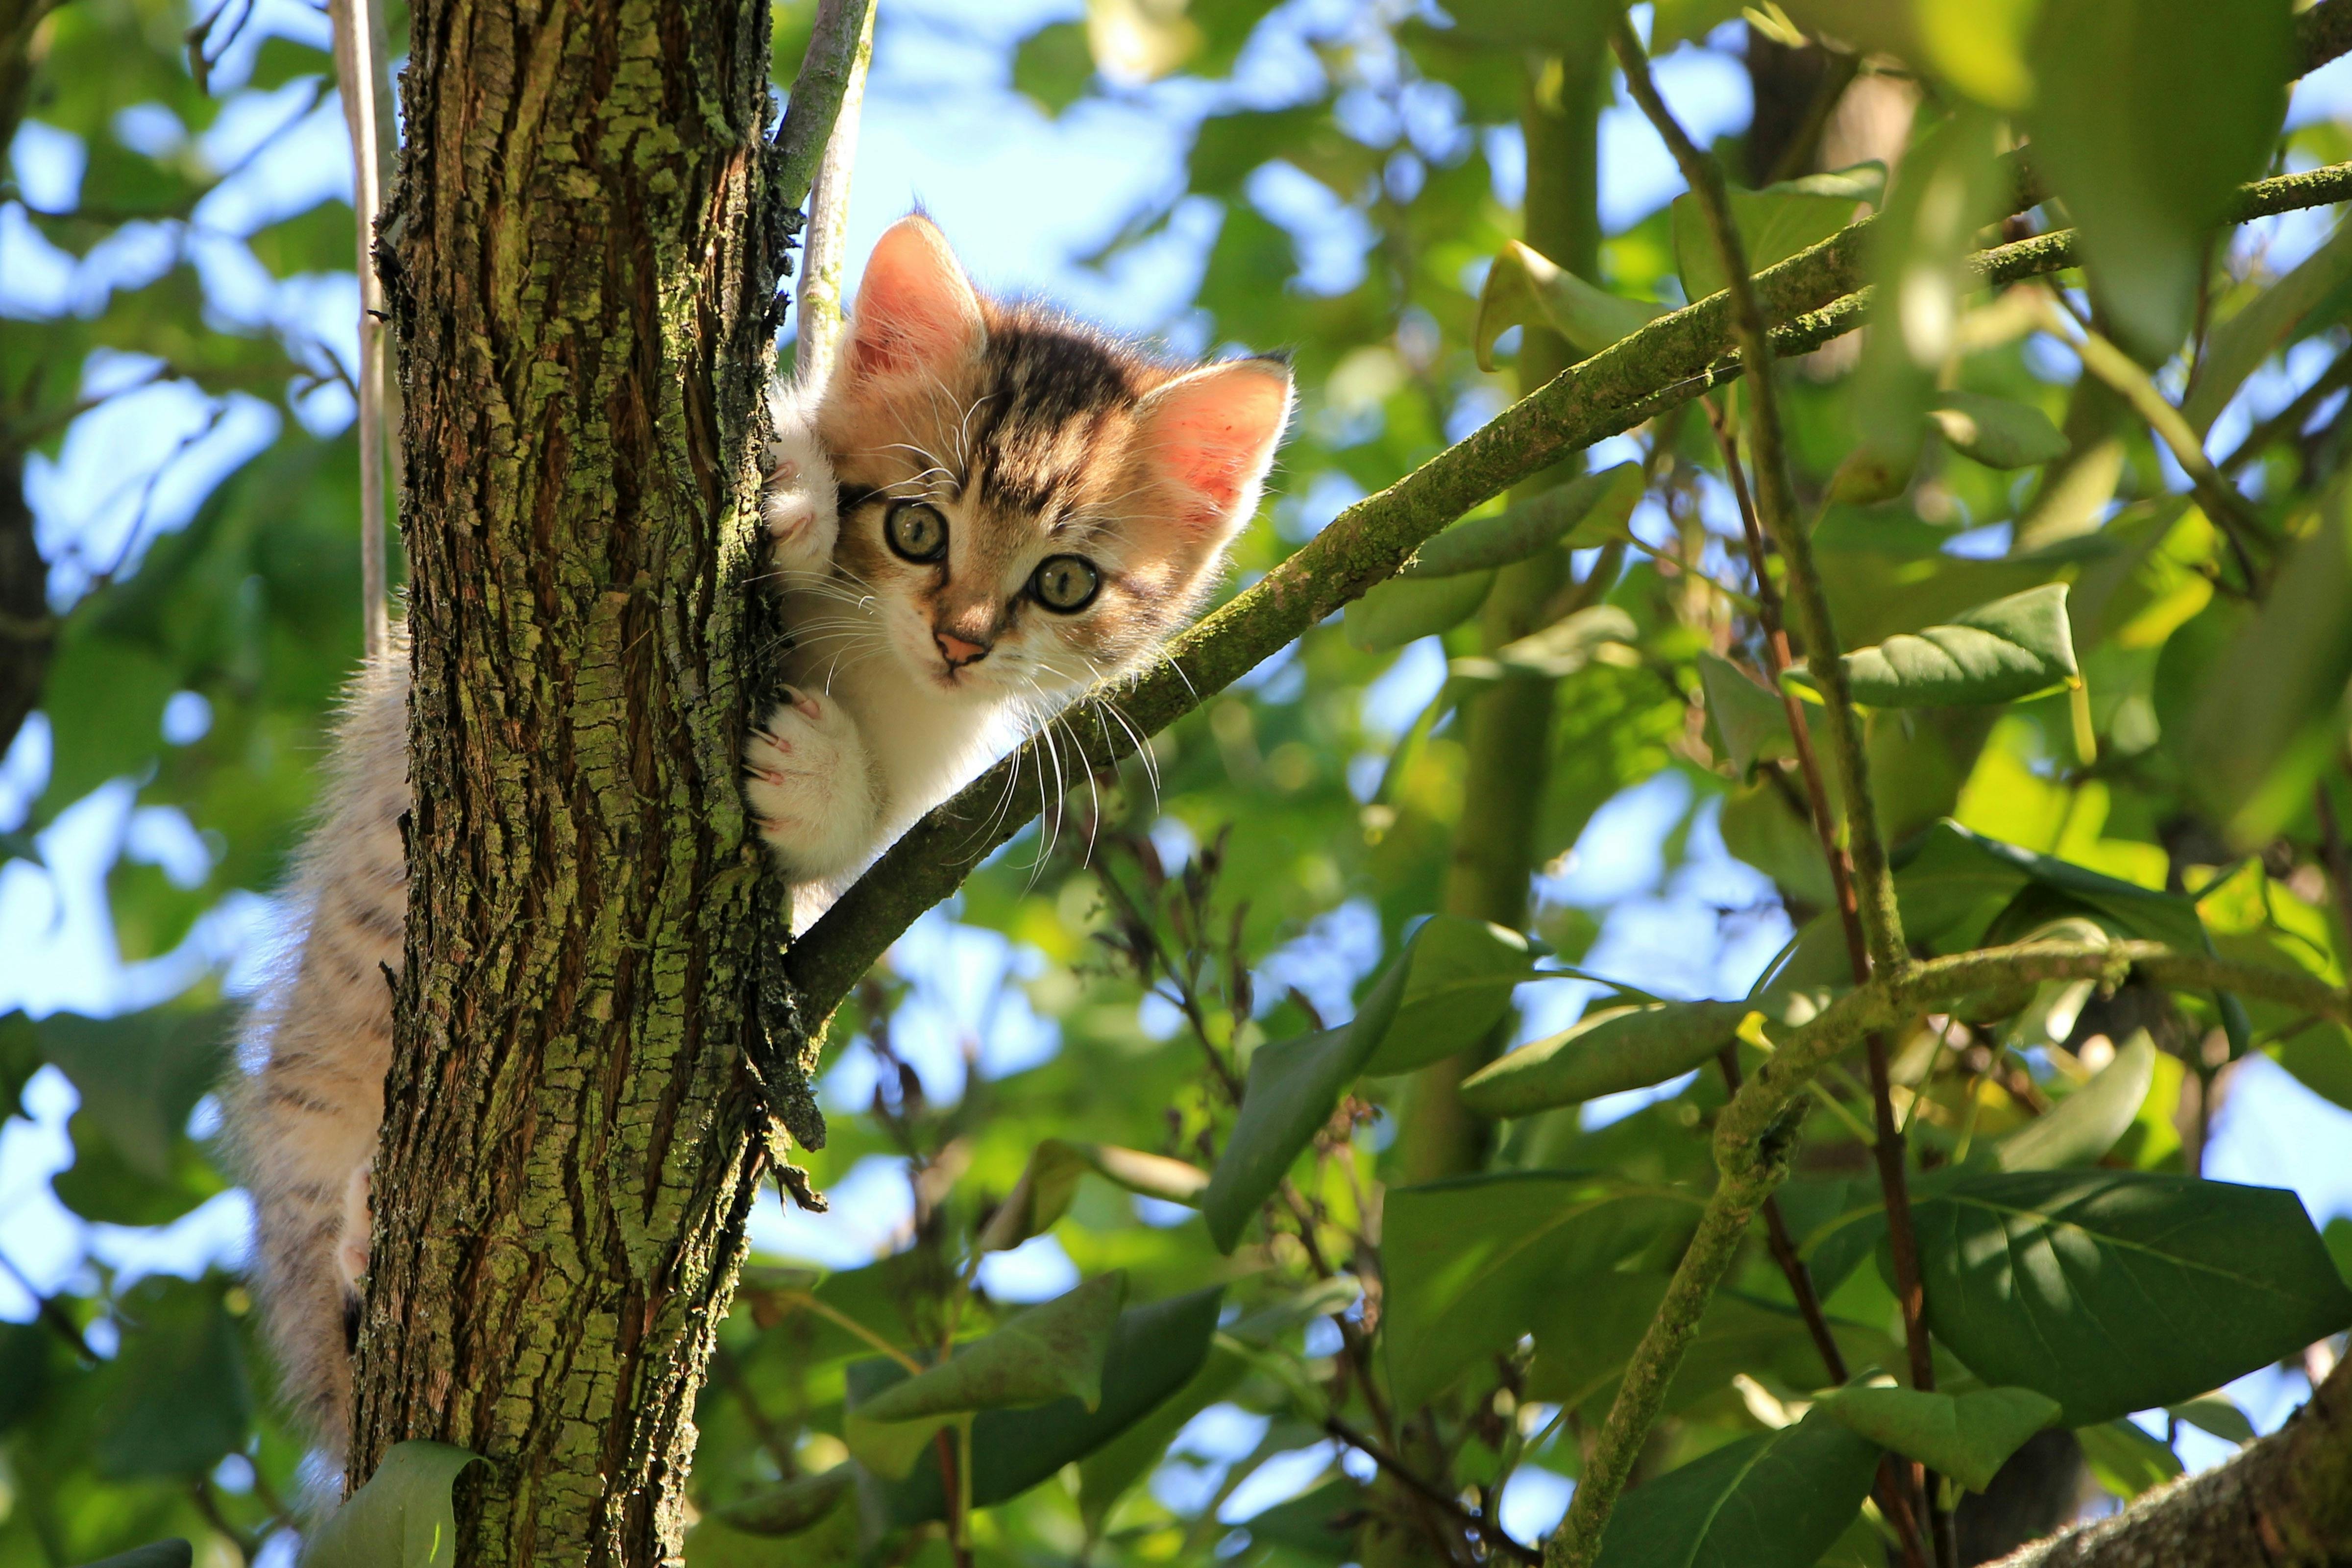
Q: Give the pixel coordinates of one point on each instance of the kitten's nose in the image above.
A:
(958, 651)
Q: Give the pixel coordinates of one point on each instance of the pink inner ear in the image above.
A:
(1215, 432)
(914, 309)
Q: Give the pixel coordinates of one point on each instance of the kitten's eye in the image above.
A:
(916, 530)
(1065, 583)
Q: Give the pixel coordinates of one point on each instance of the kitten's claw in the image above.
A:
(798, 503)
(810, 785)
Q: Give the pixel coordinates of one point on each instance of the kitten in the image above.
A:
(985, 510)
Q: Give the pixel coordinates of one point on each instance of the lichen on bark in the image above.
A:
(579, 269)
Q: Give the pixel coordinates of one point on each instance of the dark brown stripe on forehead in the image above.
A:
(1040, 376)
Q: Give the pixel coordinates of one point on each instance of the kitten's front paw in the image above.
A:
(811, 784)
(800, 504)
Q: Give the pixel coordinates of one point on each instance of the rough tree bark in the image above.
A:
(580, 267)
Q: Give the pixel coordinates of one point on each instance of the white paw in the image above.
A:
(810, 782)
(800, 504)
(359, 1223)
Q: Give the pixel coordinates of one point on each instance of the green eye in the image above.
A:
(1065, 583)
(916, 530)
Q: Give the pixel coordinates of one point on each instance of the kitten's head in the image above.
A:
(1030, 506)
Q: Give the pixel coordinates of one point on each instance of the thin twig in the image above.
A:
(1476, 1523)
(837, 42)
(2288, 422)
(1872, 921)
(824, 240)
(367, 110)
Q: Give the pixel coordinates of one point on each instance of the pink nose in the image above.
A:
(957, 650)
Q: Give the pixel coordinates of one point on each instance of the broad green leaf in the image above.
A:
(1583, 1340)
(1459, 975)
(1049, 1183)
(2146, 119)
(1968, 1437)
(1053, 66)
(20, 1058)
(1778, 1501)
(1559, 650)
(2115, 1291)
(1106, 1475)
(1471, 1261)
(1155, 1351)
(1608, 1051)
(105, 1186)
(1748, 716)
(105, 698)
(1321, 1524)
(2086, 1123)
(28, 1351)
(140, 1075)
(792, 1507)
(1524, 287)
(2268, 715)
(1050, 1351)
(1981, 47)
(1996, 431)
(2012, 649)
(1292, 1088)
(1590, 509)
(402, 1518)
(1406, 609)
(1573, 28)
(2276, 316)
(2216, 1413)
(175, 1398)
(1775, 223)
(2125, 1460)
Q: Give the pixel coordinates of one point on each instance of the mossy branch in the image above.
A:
(1754, 1137)
(1814, 296)
(837, 46)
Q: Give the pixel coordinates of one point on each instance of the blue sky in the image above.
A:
(1022, 196)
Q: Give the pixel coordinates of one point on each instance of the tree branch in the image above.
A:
(836, 51)
(1754, 1138)
(1815, 295)
(2284, 1501)
(2321, 34)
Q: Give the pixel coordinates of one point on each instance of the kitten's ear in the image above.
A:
(1211, 436)
(916, 311)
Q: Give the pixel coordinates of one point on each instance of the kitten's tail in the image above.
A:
(304, 1107)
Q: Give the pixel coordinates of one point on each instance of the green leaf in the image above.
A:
(1050, 1182)
(112, 695)
(1778, 1501)
(1155, 1351)
(28, 1351)
(2012, 649)
(2148, 117)
(1292, 1087)
(1321, 1524)
(1584, 1339)
(162, 1554)
(1749, 716)
(1775, 223)
(402, 1518)
(1524, 288)
(1573, 28)
(2268, 715)
(174, 1398)
(1589, 509)
(104, 1185)
(1997, 432)
(792, 1508)
(1054, 65)
(1607, 1051)
(1406, 609)
(1050, 1351)
(1561, 649)
(20, 1058)
(2115, 1291)
(2275, 317)
(140, 1075)
(2086, 1123)
(1459, 975)
(1471, 1261)
(2216, 1413)
(2125, 1460)
(1968, 1437)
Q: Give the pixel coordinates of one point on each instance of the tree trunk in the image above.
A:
(580, 273)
